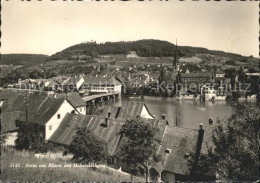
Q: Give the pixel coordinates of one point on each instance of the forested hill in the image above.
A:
(22, 59)
(143, 48)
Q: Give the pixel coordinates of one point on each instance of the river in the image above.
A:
(189, 113)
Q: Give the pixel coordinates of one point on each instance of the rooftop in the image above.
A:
(196, 75)
(68, 128)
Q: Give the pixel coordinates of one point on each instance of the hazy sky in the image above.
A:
(47, 27)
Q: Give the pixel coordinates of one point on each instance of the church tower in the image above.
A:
(176, 66)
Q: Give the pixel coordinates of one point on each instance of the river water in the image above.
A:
(189, 113)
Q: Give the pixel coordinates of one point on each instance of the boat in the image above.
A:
(201, 109)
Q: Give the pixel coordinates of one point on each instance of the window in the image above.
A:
(58, 116)
(168, 151)
(50, 127)
(80, 109)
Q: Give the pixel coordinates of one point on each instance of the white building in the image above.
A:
(220, 74)
(102, 85)
(44, 111)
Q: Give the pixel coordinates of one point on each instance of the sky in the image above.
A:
(47, 27)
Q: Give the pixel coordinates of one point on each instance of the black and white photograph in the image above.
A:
(129, 91)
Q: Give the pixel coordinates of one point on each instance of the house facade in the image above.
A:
(102, 85)
(44, 111)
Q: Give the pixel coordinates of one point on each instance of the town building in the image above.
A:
(128, 110)
(220, 74)
(46, 112)
(196, 77)
(102, 85)
(75, 100)
(107, 129)
(175, 150)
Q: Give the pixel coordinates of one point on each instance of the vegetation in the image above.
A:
(22, 59)
(234, 156)
(143, 48)
(28, 140)
(141, 147)
(52, 174)
(87, 148)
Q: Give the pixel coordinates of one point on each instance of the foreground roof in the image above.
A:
(178, 141)
(7, 94)
(8, 121)
(68, 128)
(40, 108)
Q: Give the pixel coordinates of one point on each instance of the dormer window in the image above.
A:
(168, 151)
(187, 155)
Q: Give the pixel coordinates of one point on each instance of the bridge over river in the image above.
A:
(93, 99)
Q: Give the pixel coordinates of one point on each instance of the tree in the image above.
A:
(234, 156)
(141, 147)
(87, 148)
(30, 136)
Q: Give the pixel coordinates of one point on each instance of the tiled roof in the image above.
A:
(179, 141)
(220, 72)
(7, 94)
(131, 109)
(68, 128)
(101, 80)
(126, 111)
(112, 109)
(40, 108)
(73, 98)
(8, 121)
(207, 138)
(110, 134)
(161, 124)
(196, 75)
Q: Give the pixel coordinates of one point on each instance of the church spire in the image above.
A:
(176, 59)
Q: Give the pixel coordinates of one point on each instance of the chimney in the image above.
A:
(210, 121)
(163, 116)
(198, 148)
(109, 114)
(106, 122)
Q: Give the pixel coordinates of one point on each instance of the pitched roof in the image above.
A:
(101, 80)
(131, 109)
(220, 72)
(68, 127)
(112, 109)
(7, 94)
(8, 121)
(207, 138)
(196, 75)
(126, 111)
(109, 134)
(67, 130)
(73, 98)
(40, 108)
(160, 124)
(179, 141)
